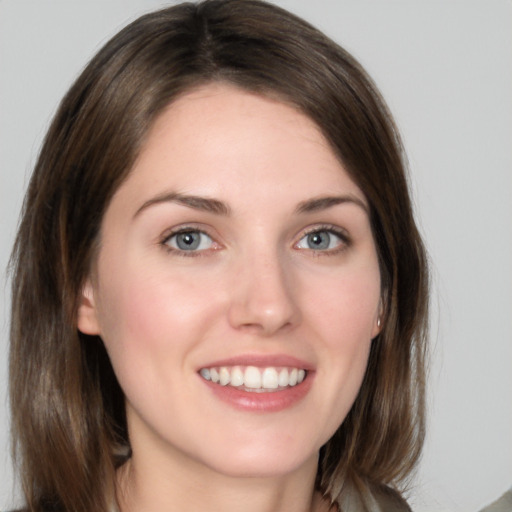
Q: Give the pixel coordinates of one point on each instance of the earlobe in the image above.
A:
(378, 322)
(87, 318)
(377, 328)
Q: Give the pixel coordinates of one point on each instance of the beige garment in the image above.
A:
(503, 504)
(352, 501)
(390, 501)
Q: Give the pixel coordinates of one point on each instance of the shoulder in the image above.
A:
(390, 501)
(383, 499)
(503, 504)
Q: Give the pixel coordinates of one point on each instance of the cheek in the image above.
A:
(146, 319)
(151, 326)
(346, 308)
(345, 313)
(353, 319)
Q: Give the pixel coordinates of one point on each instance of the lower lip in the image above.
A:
(271, 401)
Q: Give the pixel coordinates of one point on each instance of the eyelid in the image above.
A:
(338, 231)
(187, 228)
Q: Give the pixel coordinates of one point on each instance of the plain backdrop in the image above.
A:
(445, 68)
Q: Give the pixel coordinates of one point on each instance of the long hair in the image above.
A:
(69, 425)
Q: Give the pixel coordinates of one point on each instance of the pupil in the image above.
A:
(188, 241)
(319, 240)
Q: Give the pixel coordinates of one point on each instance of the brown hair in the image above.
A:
(67, 408)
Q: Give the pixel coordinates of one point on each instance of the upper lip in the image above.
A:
(261, 361)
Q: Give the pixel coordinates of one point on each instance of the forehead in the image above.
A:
(218, 139)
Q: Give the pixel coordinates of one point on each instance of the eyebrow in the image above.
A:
(217, 207)
(323, 203)
(204, 204)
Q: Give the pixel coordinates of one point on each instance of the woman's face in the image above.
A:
(240, 251)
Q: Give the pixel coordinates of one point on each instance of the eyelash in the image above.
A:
(345, 241)
(187, 254)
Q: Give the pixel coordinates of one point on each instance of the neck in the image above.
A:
(183, 486)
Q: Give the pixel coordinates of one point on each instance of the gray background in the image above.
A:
(445, 68)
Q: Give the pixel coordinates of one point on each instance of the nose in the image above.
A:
(263, 299)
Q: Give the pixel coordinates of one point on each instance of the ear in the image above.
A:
(87, 318)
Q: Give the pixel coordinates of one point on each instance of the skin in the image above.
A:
(255, 286)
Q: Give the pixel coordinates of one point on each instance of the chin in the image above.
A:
(262, 460)
(263, 467)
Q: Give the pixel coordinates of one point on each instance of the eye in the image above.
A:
(322, 240)
(190, 240)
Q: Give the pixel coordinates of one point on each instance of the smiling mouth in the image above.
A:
(253, 378)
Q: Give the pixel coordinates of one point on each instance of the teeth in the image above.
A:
(214, 375)
(269, 378)
(224, 376)
(237, 376)
(283, 378)
(254, 378)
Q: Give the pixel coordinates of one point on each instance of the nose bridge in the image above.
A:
(263, 298)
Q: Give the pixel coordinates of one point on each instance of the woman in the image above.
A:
(219, 292)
